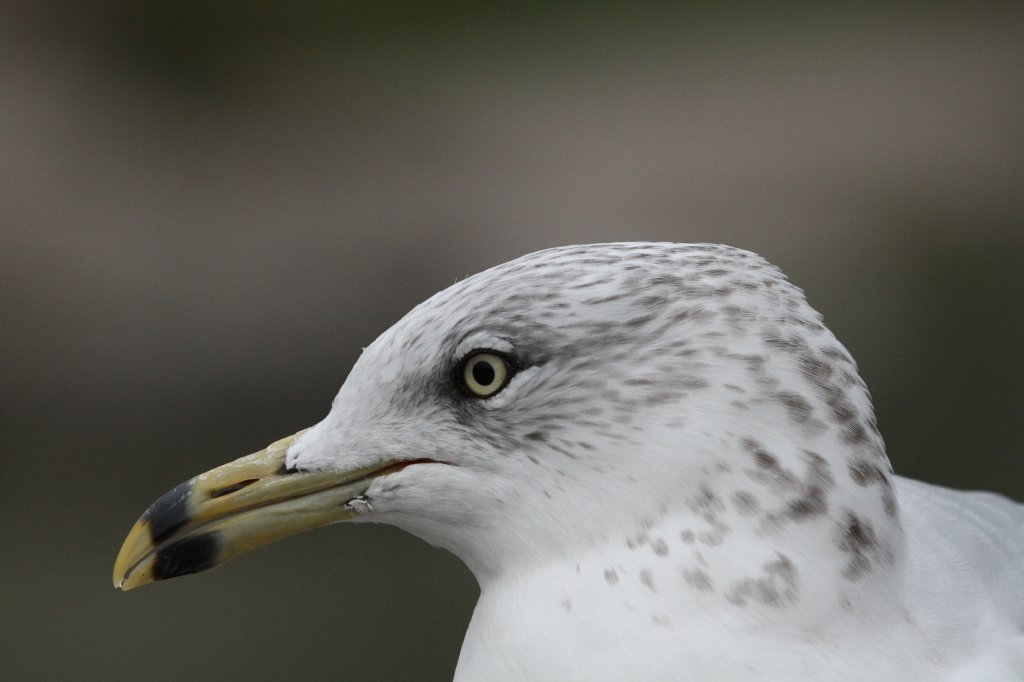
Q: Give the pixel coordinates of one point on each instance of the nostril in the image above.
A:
(233, 488)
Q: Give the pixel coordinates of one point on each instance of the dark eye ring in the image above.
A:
(484, 373)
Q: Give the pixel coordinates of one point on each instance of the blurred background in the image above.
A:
(208, 208)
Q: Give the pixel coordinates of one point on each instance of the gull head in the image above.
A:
(570, 398)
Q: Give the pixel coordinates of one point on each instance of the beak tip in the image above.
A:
(121, 577)
(232, 509)
(132, 563)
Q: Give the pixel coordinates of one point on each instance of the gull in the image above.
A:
(658, 463)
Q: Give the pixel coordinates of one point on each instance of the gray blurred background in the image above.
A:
(208, 208)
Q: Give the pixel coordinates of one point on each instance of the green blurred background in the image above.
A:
(208, 208)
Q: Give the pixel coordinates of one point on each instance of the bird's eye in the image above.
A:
(485, 373)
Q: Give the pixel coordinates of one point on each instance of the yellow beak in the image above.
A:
(232, 509)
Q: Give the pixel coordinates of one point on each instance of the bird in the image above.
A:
(659, 464)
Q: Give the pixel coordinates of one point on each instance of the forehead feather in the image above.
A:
(592, 289)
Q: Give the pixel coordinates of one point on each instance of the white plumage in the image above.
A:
(683, 481)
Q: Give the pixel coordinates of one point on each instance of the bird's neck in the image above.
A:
(760, 528)
(692, 578)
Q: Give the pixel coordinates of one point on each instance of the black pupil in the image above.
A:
(483, 373)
